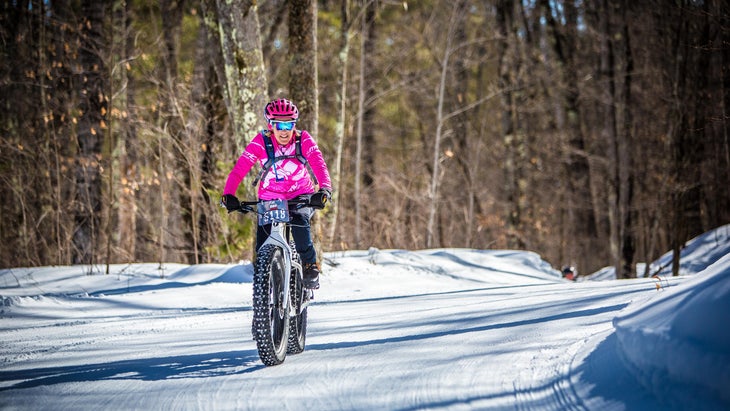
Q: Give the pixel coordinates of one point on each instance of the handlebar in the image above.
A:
(315, 200)
(247, 206)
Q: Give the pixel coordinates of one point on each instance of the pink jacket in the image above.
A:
(290, 178)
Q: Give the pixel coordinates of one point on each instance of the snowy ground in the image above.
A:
(396, 330)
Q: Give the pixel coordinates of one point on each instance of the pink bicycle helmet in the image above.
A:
(281, 109)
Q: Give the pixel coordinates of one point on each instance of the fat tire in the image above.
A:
(297, 323)
(270, 324)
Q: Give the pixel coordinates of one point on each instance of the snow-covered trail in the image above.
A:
(380, 337)
(479, 348)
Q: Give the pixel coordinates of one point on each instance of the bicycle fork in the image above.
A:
(277, 238)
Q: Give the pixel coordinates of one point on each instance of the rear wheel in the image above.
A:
(298, 323)
(270, 317)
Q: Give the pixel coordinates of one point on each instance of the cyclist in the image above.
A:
(286, 177)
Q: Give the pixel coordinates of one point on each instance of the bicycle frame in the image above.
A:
(279, 238)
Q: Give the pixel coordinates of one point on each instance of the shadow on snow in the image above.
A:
(145, 369)
(451, 331)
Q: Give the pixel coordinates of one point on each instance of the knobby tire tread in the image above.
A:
(269, 257)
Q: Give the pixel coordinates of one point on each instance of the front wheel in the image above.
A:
(270, 317)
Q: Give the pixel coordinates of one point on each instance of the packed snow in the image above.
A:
(390, 329)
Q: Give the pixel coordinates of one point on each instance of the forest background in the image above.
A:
(592, 132)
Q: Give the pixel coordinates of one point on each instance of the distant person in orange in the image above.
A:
(569, 273)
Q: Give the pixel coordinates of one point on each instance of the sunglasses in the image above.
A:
(283, 125)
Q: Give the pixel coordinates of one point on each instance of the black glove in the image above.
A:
(327, 193)
(320, 198)
(230, 202)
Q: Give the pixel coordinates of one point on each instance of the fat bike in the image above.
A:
(279, 299)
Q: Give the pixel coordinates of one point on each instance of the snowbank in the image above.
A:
(699, 253)
(678, 345)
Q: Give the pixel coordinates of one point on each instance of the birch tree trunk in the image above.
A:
(336, 171)
(432, 238)
(243, 73)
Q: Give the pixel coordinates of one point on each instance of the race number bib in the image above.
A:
(273, 210)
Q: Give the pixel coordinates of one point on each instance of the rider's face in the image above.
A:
(283, 137)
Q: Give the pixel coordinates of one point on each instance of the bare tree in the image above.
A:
(369, 147)
(303, 87)
(93, 107)
(128, 169)
(625, 176)
(362, 174)
(577, 202)
(513, 138)
(336, 171)
(433, 193)
(464, 183)
(688, 124)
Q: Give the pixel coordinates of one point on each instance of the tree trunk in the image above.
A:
(201, 140)
(578, 207)
(687, 140)
(303, 86)
(369, 148)
(608, 132)
(627, 213)
(511, 133)
(336, 171)
(462, 181)
(359, 178)
(303, 62)
(243, 73)
(127, 212)
(93, 106)
(432, 237)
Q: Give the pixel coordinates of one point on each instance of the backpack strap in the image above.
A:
(303, 160)
(272, 158)
(269, 146)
